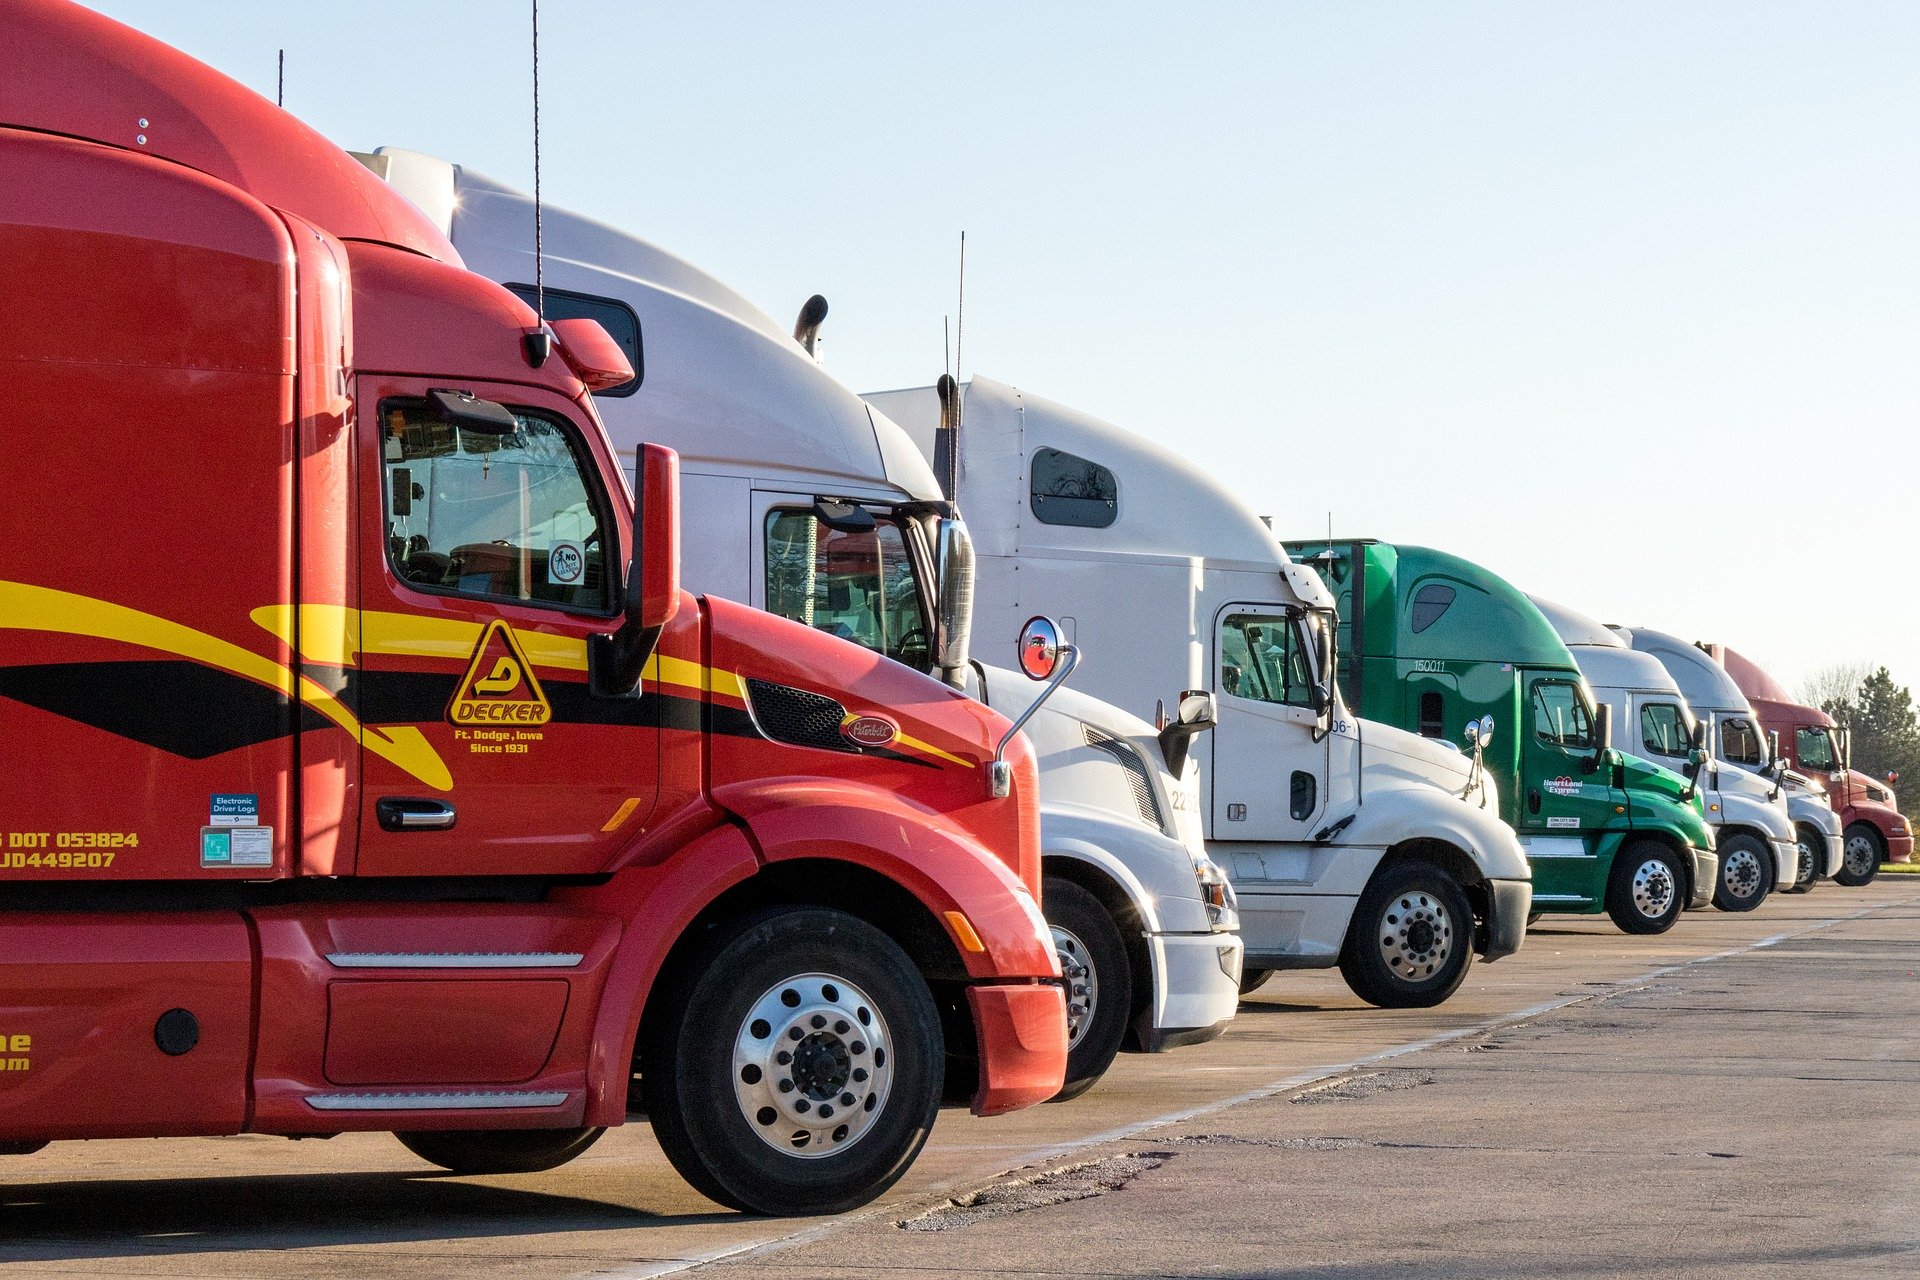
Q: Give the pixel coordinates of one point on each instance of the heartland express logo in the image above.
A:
(1563, 786)
(499, 687)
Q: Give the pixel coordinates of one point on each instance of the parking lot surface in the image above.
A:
(1733, 1098)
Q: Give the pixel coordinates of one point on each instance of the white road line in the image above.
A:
(1042, 1155)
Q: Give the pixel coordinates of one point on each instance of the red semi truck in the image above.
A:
(365, 767)
(1874, 829)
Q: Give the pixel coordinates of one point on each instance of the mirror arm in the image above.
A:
(999, 772)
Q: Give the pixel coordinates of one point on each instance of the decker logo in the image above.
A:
(499, 687)
(870, 731)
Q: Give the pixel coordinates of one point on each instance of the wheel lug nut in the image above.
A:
(859, 1075)
(786, 1086)
(846, 1099)
(783, 1057)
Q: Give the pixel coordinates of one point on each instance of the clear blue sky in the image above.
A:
(1620, 299)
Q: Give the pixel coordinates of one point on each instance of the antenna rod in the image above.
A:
(539, 249)
(960, 325)
(280, 93)
(946, 345)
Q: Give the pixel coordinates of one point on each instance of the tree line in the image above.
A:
(1880, 715)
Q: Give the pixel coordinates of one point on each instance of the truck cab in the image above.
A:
(808, 503)
(1752, 831)
(1874, 829)
(1434, 644)
(1736, 740)
(1323, 821)
(366, 766)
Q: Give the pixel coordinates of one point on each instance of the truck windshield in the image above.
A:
(1742, 743)
(859, 586)
(1814, 747)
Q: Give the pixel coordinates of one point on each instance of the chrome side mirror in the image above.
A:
(1042, 657)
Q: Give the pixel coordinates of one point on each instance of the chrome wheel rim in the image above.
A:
(1416, 936)
(812, 1065)
(1083, 984)
(1653, 888)
(1741, 873)
(1862, 857)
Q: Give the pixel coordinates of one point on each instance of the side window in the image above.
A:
(858, 586)
(1432, 715)
(506, 517)
(1261, 658)
(1663, 730)
(1813, 749)
(1560, 715)
(1068, 490)
(1740, 742)
(1429, 604)
(616, 317)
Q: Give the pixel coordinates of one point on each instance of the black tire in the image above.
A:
(1863, 852)
(1812, 846)
(1251, 980)
(1746, 873)
(1093, 956)
(475, 1151)
(1411, 939)
(1662, 887)
(816, 971)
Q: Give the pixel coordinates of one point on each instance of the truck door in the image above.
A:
(1562, 806)
(1268, 779)
(487, 561)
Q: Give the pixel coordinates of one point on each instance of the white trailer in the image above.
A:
(1349, 842)
(799, 498)
(1752, 829)
(1736, 740)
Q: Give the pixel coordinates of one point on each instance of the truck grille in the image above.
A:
(796, 717)
(1137, 777)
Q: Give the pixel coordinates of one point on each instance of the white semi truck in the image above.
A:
(800, 499)
(1349, 842)
(1736, 740)
(1651, 719)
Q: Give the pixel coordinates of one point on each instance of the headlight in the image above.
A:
(1223, 910)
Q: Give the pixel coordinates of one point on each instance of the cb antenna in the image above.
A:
(960, 324)
(946, 345)
(538, 342)
(280, 93)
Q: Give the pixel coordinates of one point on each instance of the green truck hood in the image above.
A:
(1659, 795)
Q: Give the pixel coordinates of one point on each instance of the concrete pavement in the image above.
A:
(1583, 1108)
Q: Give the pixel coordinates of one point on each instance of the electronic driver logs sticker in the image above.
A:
(566, 564)
(499, 687)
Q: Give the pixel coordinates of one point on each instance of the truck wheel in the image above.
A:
(1644, 890)
(1811, 848)
(797, 1065)
(1099, 981)
(1862, 853)
(1744, 879)
(1411, 939)
(1251, 980)
(498, 1150)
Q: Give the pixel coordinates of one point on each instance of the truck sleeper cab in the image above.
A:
(807, 503)
(1737, 741)
(1874, 829)
(1321, 823)
(1434, 643)
(1752, 833)
(425, 800)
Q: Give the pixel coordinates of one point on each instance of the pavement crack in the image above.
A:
(1366, 1085)
(1057, 1186)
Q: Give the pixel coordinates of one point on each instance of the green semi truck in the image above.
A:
(1435, 644)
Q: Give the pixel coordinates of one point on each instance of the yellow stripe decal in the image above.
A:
(29, 608)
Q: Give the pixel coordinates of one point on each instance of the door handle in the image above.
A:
(396, 813)
(1533, 800)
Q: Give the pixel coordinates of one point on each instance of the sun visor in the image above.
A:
(1306, 586)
